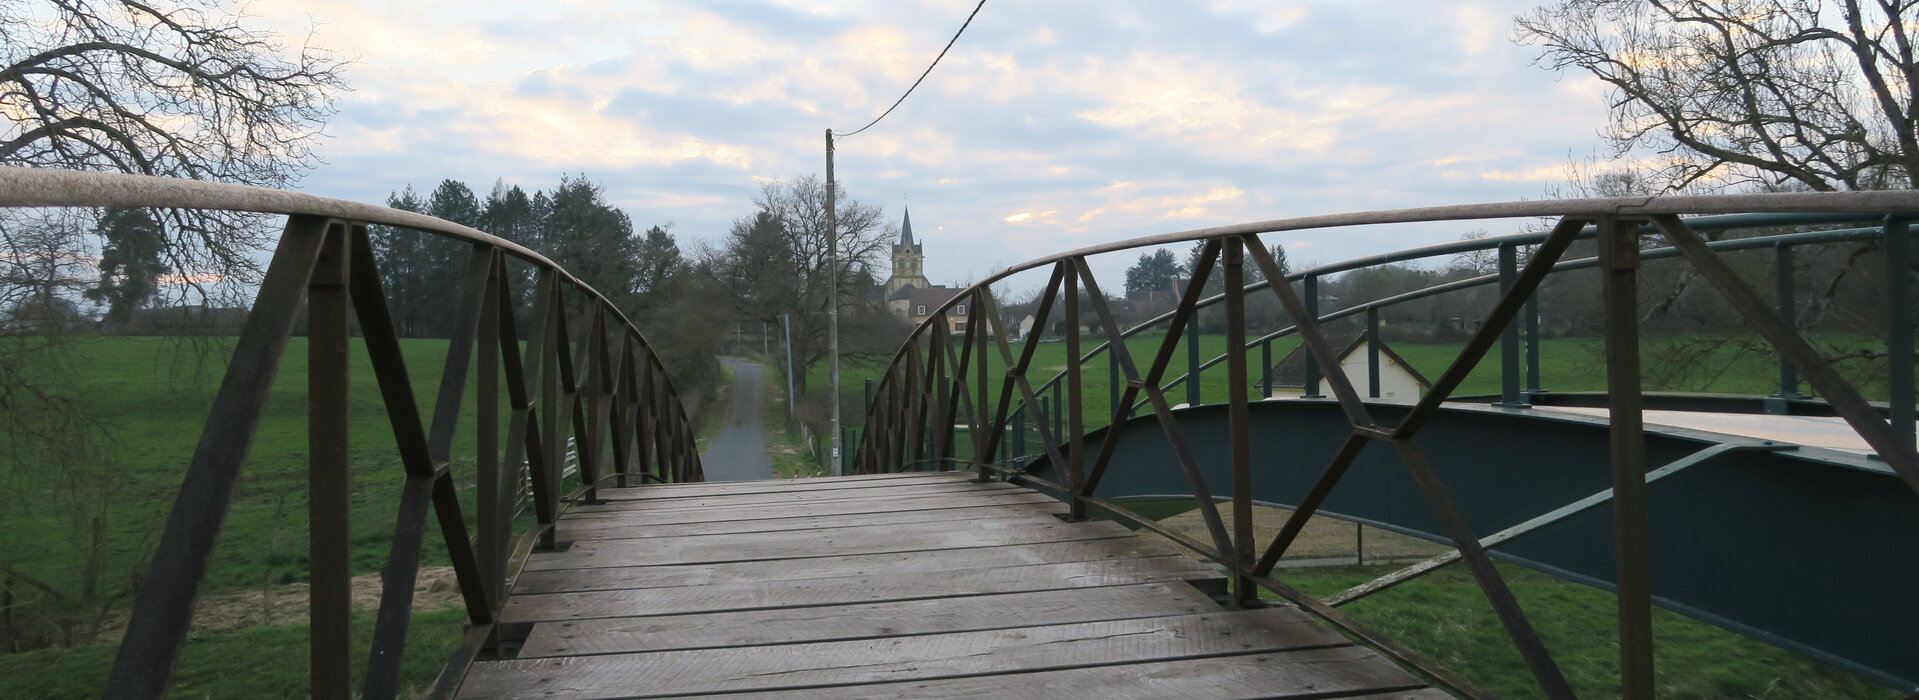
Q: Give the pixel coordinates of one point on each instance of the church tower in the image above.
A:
(909, 261)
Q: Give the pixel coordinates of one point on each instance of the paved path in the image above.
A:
(738, 453)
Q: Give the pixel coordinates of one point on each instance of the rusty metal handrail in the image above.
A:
(939, 378)
(609, 389)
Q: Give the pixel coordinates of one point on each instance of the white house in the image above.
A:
(1397, 378)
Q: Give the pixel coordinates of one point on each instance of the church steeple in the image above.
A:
(909, 259)
(906, 244)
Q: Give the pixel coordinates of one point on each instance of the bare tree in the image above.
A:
(185, 91)
(182, 89)
(1742, 92)
(774, 263)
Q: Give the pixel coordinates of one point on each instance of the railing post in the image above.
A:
(1075, 398)
(495, 505)
(1059, 416)
(988, 444)
(1309, 289)
(1239, 424)
(1781, 403)
(1019, 430)
(1193, 396)
(1619, 262)
(1531, 316)
(1045, 418)
(1899, 341)
(1372, 352)
(329, 462)
(164, 608)
(1510, 395)
(552, 428)
(1266, 365)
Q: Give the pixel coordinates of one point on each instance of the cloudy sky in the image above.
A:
(1050, 125)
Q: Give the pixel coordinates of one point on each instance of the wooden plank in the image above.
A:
(783, 497)
(611, 578)
(612, 529)
(897, 658)
(844, 507)
(824, 483)
(850, 589)
(758, 546)
(800, 480)
(1313, 673)
(863, 621)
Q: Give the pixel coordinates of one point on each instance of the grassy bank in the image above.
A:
(1445, 616)
(1677, 363)
(152, 396)
(258, 662)
(786, 446)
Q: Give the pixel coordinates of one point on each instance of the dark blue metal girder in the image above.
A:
(1808, 550)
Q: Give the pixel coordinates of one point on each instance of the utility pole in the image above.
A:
(786, 322)
(833, 303)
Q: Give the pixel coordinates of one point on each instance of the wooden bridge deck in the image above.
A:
(913, 585)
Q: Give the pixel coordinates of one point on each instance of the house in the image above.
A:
(915, 305)
(1397, 378)
(909, 295)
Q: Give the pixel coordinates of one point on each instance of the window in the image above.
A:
(961, 326)
(920, 310)
(962, 310)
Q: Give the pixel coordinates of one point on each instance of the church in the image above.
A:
(908, 293)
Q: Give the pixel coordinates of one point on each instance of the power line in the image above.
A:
(929, 71)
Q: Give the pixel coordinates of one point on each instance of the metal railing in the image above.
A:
(586, 384)
(940, 379)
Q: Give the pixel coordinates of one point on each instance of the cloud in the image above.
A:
(1089, 121)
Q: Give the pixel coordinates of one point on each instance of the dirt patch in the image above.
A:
(435, 589)
(1324, 540)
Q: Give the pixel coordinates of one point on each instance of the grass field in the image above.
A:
(153, 396)
(154, 393)
(1445, 616)
(258, 662)
(1566, 365)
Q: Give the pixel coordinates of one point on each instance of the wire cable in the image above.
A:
(916, 83)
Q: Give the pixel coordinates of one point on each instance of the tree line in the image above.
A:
(643, 273)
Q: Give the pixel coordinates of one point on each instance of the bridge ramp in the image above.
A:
(892, 586)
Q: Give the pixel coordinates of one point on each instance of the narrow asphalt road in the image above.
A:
(738, 452)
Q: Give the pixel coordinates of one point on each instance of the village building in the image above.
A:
(909, 295)
(1397, 378)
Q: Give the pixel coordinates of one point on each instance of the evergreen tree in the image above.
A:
(1153, 272)
(591, 239)
(508, 213)
(131, 244)
(455, 202)
(657, 266)
(403, 260)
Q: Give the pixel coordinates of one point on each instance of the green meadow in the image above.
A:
(1566, 365)
(152, 394)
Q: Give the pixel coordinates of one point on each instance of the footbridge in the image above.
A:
(985, 542)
